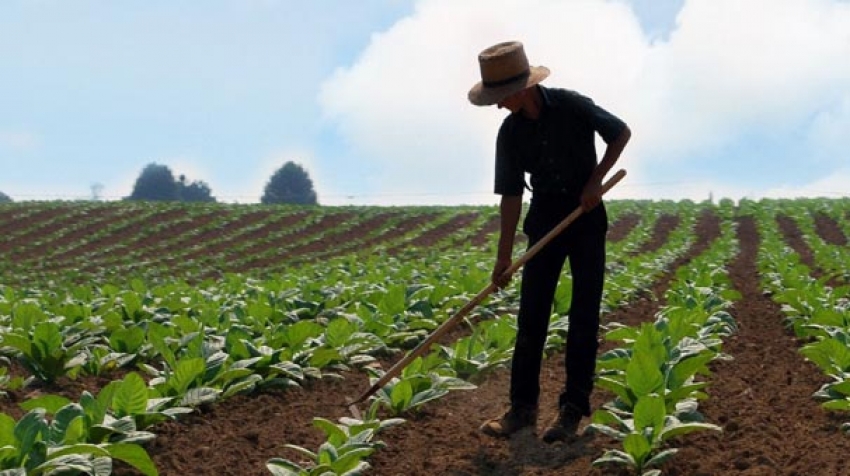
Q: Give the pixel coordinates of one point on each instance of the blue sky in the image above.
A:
(729, 97)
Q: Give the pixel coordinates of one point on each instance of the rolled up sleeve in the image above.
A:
(509, 173)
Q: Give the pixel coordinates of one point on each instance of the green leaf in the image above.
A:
(57, 430)
(128, 340)
(17, 342)
(13, 472)
(185, 373)
(615, 457)
(131, 396)
(837, 405)
(830, 355)
(642, 375)
(351, 460)
(649, 413)
(401, 396)
(338, 332)
(135, 456)
(661, 458)
(50, 403)
(687, 368)
(322, 357)
(676, 428)
(200, 396)
(297, 334)
(29, 429)
(638, 448)
(47, 337)
(335, 435)
(283, 467)
(7, 431)
(617, 387)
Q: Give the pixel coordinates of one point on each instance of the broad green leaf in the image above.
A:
(687, 368)
(649, 413)
(335, 435)
(50, 403)
(401, 396)
(283, 467)
(637, 447)
(617, 387)
(29, 429)
(351, 460)
(297, 334)
(643, 376)
(128, 340)
(135, 456)
(7, 431)
(57, 430)
(615, 457)
(47, 337)
(661, 457)
(322, 357)
(837, 405)
(185, 373)
(199, 396)
(131, 396)
(339, 331)
(17, 342)
(677, 428)
(829, 354)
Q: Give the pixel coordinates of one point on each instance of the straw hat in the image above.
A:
(504, 71)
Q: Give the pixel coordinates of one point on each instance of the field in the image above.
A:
(207, 339)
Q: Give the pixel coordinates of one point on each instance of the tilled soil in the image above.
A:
(761, 398)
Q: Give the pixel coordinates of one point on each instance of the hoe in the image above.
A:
(423, 346)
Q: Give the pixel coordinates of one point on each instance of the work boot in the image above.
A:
(511, 421)
(564, 426)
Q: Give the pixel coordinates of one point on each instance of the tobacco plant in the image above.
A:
(424, 380)
(347, 446)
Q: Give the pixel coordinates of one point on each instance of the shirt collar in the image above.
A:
(544, 93)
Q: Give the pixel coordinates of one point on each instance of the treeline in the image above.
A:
(289, 184)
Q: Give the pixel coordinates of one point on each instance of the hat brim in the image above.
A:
(480, 95)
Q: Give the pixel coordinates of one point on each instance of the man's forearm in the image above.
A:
(509, 211)
(612, 154)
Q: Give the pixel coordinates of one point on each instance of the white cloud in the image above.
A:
(831, 185)
(734, 68)
(730, 71)
(828, 133)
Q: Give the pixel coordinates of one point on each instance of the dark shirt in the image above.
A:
(558, 149)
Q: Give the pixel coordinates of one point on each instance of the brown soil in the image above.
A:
(762, 399)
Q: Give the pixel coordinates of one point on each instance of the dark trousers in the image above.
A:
(583, 243)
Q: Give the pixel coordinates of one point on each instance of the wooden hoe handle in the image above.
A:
(456, 318)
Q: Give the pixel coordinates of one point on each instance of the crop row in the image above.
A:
(188, 345)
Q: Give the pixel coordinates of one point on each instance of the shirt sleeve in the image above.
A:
(509, 173)
(607, 125)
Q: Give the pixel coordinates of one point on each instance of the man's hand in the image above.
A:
(499, 278)
(591, 195)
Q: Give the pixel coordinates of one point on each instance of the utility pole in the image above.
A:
(96, 190)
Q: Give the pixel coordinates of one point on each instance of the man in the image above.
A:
(550, 134)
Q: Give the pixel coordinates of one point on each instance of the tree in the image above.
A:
(156, 182)
(4, 198)
(290, 184)
(197, 191)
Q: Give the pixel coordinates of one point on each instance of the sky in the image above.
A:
(725, 98)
